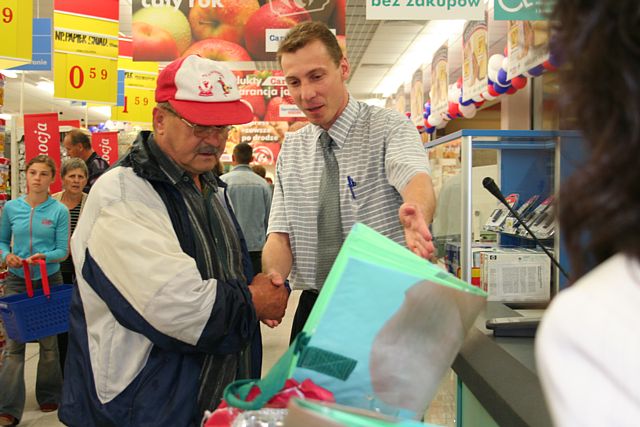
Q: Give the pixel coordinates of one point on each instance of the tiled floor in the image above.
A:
(275, 343)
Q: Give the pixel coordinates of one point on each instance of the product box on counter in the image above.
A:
(452, 259)
(516, 275)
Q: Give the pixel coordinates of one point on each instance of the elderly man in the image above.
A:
(352, 163)
(163, 317)
(78, 144)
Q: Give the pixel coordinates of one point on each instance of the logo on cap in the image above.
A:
(206, 86)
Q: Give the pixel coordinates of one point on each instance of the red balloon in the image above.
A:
(519, 82)
(511, 90)
(479, 104)
(454, 109)
(548, 66)
(506, 50)
(492, 91)
(459, 83)
(427, 124)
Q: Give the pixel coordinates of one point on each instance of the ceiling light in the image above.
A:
(12, 74)
(45, 86)
(421, 50)
(103, 110)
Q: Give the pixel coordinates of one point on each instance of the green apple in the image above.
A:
(168, 19)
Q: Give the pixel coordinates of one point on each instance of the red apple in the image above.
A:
(151, 43)
(219, 50)
(276, 14)
(253, 95)
(225, 22)
(168, 19)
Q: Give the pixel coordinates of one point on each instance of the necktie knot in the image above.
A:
(325, 141)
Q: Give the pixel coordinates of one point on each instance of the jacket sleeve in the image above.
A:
(5, 233)
(134, 262)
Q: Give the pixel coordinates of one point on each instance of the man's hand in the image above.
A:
(416, 231)
(269, 298)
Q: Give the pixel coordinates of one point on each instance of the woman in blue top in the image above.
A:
(39, 227)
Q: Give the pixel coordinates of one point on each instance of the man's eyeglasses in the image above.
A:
(201, 131)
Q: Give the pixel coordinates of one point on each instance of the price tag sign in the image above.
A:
(138, 106)
(86, 78)
(16, 26)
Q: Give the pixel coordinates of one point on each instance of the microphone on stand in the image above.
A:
(492, 187)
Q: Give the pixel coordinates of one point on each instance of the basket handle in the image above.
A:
(43, 276)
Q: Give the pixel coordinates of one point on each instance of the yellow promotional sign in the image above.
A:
(16, 27)
(85, 78)
(140, 79)
(138, 106)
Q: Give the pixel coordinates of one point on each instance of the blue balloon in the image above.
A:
(537, 70)
(93, 129)
(502, 78)
(431, 130)
(500, 89)
(489, 81)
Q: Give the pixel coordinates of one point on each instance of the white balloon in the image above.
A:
(434, 119)
(468, 111)
(454, 93)
(478, 98)
(492, 74)
(495, 62)
(443, 124)
(505, 63)
(486, 95)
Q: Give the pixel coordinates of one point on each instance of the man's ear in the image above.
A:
(159, 120)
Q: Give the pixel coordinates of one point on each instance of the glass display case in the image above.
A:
(481, 242)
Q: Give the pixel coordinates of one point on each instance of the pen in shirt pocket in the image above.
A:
(351, 183)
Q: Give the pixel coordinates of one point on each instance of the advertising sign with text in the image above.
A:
(475, 59)
(16, 22)
(425, 9)
(440, 81)
(105, 144)
(41, 136)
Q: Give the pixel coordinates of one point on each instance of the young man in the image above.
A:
(353, 163)
(163, 317)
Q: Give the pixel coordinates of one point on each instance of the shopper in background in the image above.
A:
(260, 170)
(33, 227)
(352, 163)
(164, 316)
(588, 345)
(78, 144)
(251, 198)
(74, 176)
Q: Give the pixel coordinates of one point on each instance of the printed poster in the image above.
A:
(42, 136)
(528, 46)
(417, 98)
(475, 60)
(440, 80)
(224, 30)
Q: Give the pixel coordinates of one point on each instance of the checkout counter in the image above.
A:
(497, 380)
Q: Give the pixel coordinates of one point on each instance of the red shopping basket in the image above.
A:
(36, 314)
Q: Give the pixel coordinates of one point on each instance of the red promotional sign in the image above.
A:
(41, 136)
(107, 9)
(266, 153)
(105, 144)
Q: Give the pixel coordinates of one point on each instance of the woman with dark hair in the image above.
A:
(588, 344)
(33, 227)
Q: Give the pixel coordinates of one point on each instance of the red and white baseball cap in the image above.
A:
(203, 91)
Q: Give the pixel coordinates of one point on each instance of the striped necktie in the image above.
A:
(329, 220)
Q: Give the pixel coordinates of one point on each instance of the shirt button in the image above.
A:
(185, 178)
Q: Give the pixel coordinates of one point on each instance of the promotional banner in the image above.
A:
(67, 125)
(86, 50)
(105, 144)
(522, 10)
(41, 136)
(528, 46)
(475, 59)
(138, 87)
(440, 81)
(266, 153)
(41, 50)
(425, 9)
(224, 30)
(16, 22)
(417, 97)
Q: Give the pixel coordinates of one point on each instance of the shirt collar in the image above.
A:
(340, 129)
(242, 166)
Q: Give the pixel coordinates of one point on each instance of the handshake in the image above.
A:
(270, 297)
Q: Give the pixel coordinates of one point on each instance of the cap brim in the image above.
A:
(213, 113)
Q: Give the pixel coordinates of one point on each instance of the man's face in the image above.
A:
(73, 150)
(177, 140)
(316, 84)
